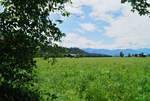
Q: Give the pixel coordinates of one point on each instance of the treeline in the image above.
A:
(76, 52)
(134, 55)
(63, 52)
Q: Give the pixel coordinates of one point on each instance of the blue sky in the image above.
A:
(103, 24)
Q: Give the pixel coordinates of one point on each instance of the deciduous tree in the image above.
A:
(141, 6)
(25, 26)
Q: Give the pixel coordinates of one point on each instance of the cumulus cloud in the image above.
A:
(130, 30)
(74, 8)
(76, 40)
(127, 31)
(100, 8)
(88, 27)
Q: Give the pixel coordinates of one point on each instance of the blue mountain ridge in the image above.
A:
(116, 52)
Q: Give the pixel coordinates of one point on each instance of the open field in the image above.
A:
(94, 79)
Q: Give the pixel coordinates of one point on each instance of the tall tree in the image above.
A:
(129, 55)
(25, 26)
(121, 54)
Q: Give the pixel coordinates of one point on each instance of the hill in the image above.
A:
(61, 51)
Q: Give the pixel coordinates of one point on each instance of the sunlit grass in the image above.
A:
(94, 79)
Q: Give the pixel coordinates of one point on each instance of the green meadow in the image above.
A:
(94, 79)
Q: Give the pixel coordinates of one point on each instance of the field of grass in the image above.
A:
(94, 79)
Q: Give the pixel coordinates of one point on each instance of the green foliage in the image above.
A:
(94, 79)
(59, 52)
(8, 93)
(62, 51)
(121, 54)
(141, 6)
(129, 55)
(24, 28)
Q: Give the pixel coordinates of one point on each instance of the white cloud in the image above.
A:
(88, 27)
(76, 40)
(128, 31)
(100, 8)
(74, 8)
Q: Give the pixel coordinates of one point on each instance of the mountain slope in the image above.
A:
(116, 52)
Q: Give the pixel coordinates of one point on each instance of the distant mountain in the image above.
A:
(116, 52)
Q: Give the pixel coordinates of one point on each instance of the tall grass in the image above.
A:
(94, 79)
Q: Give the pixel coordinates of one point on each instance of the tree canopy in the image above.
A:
(141, 6)
(25, 26)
